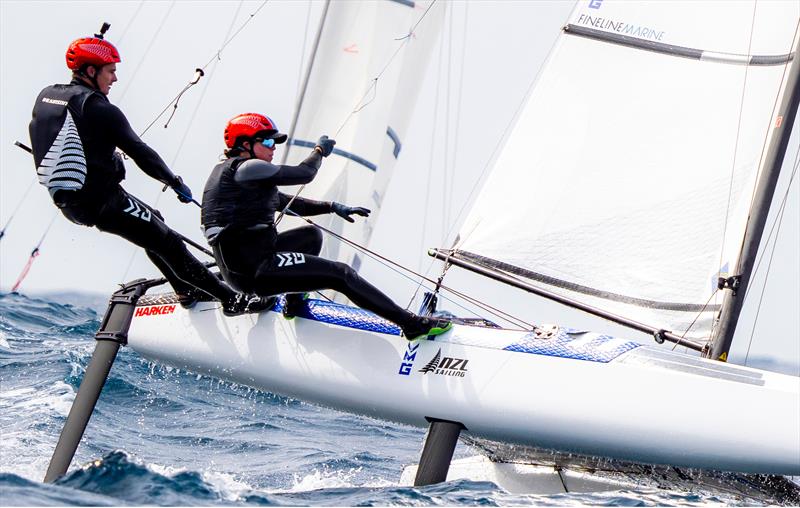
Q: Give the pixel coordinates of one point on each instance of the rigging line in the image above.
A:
(448, 70)
(506, 130)
(206, 86)
(146, 52)
(775, 106)
(16, 208)
(499, 143)
(776, 222)
(683, 335)
(386, 261)
(130, 23)
(429, 173)
(736, 143)
(201, 70)
(404, 40)
(34, 254)
(766, 278)
(301, 93)
(358, 108)
(183, 140)
(303, 51)
(459, 101)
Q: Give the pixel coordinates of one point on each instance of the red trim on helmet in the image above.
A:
(248, 125)
(91, 51)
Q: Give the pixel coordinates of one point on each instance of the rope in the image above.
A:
(761, 155)
(135, 250)
(492, 155)
(33, 256)
(146, 51)
(778, 222)
(390, 264)
(359, 106)
(736, 143)
(217, 56)
(16, 208)
(130, 23)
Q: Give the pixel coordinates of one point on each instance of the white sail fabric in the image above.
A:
(359, 42)
(627, 180)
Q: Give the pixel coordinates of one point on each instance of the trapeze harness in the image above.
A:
(74, 134)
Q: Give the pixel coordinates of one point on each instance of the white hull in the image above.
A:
(634, 407)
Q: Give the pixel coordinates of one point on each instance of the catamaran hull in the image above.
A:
(574, 391)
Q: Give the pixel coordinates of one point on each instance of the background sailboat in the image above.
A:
(361, 86)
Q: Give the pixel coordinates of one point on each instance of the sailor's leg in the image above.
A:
(294, 272)
(142, 225)
(177, 284)
(306, 239)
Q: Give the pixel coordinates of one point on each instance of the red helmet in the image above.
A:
(91, 51)
(250, 125)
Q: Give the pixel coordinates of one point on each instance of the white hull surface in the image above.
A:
(575, 391)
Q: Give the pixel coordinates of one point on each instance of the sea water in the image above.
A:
(163, 436)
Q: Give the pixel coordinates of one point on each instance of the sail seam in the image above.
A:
(681, 51)
(580, 288)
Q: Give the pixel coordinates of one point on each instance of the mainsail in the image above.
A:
(627, 181)
(359, 42)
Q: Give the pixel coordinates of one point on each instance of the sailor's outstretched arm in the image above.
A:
(257, 171)
(114, 126)
(305, 207)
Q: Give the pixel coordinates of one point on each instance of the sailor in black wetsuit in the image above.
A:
(240, 200)
(74, 134)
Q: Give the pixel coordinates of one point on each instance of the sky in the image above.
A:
(478, 77)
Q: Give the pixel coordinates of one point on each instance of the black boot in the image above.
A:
(190, 298)
(421, 326)
(243, 303)
(295, 305)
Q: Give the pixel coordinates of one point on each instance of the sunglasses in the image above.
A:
(267, 143)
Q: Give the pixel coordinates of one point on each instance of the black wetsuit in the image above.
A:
(240, 200)
(75, 132)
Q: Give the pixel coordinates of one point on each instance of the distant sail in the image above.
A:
(357, 44)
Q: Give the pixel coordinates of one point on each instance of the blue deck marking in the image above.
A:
(342, 315)
(568, 343)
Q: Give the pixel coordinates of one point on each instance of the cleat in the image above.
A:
(426, 327)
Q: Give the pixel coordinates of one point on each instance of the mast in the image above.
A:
(737, 285)
(303, 88)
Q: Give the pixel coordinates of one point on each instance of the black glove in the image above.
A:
(346, 211)
(182, 190)
(325, 145)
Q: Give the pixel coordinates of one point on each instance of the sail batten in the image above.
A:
(681, 51)
(587, 290)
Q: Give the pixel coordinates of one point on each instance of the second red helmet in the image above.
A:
(250, 125)
(91, 51)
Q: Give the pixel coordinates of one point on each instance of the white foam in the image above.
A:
(57, 398)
